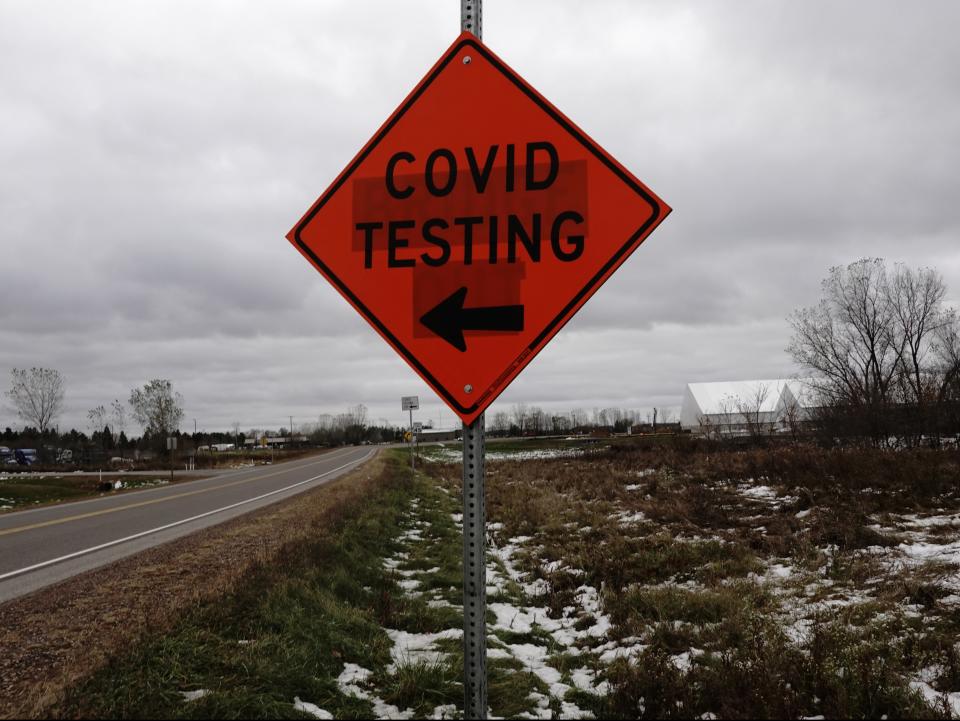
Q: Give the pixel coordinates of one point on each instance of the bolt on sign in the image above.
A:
(474, 224)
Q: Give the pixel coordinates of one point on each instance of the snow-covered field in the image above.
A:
(445, 454)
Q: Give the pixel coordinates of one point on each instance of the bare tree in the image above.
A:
(97, 418)
(520, 416)
(849, 341)
(500, 422)
(354, 423)
(537, 419)
(611, 417)
(947, 354)
(842, 339)
(878, 347)
(578, 418)
(915, 299)
(157, 407)
(118, 417)
(560, 423)
(358, 415)
(751, 410)
(792, 416)
(947, 351)
(37, 394)
(717, 425)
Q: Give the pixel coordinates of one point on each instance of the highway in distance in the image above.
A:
(42, 546)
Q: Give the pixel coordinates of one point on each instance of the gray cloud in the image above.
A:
(153, 155)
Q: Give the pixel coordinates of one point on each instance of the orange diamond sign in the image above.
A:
(474, 224)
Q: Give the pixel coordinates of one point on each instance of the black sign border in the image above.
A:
(566, 313)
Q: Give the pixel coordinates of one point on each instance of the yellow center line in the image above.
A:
(92, 514)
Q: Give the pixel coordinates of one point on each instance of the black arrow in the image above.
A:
(449, 319)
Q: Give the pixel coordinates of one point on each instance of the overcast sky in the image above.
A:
(154, 154)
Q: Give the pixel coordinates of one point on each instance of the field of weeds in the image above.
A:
(673, 580)
(686, 581)
(26, 490)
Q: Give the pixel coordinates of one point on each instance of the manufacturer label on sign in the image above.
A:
(474, 224)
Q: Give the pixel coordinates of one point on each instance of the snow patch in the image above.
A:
(349, 684)
(195, 695)
(936, 698)
(411, 648)
(311, 709)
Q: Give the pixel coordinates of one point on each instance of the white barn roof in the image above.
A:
(801, 392)
(723, 397)
(721, 402)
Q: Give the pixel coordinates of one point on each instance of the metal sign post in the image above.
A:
(171, 446)
(417, 431)
(474, 516)
(411, 403)
(474, 573)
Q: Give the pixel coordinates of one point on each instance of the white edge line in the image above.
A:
(135, 536)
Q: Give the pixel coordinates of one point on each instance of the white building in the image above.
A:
(732, 407)
(798, 400)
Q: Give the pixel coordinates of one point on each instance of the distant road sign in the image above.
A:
(418, 428)
(474, 224)
(410, 403)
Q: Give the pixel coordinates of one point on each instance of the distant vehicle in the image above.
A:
(25, 456)
(6, 455)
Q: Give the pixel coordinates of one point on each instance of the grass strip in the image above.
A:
(284, 633)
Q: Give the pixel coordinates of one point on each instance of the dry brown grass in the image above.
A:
(687, 541)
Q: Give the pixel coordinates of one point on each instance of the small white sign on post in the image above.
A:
(410, 403)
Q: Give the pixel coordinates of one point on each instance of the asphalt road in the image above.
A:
(42, 546)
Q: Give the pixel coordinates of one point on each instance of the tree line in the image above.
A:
(37, 396)
(523, 419)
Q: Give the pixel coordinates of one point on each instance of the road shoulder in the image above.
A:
(53, 638)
